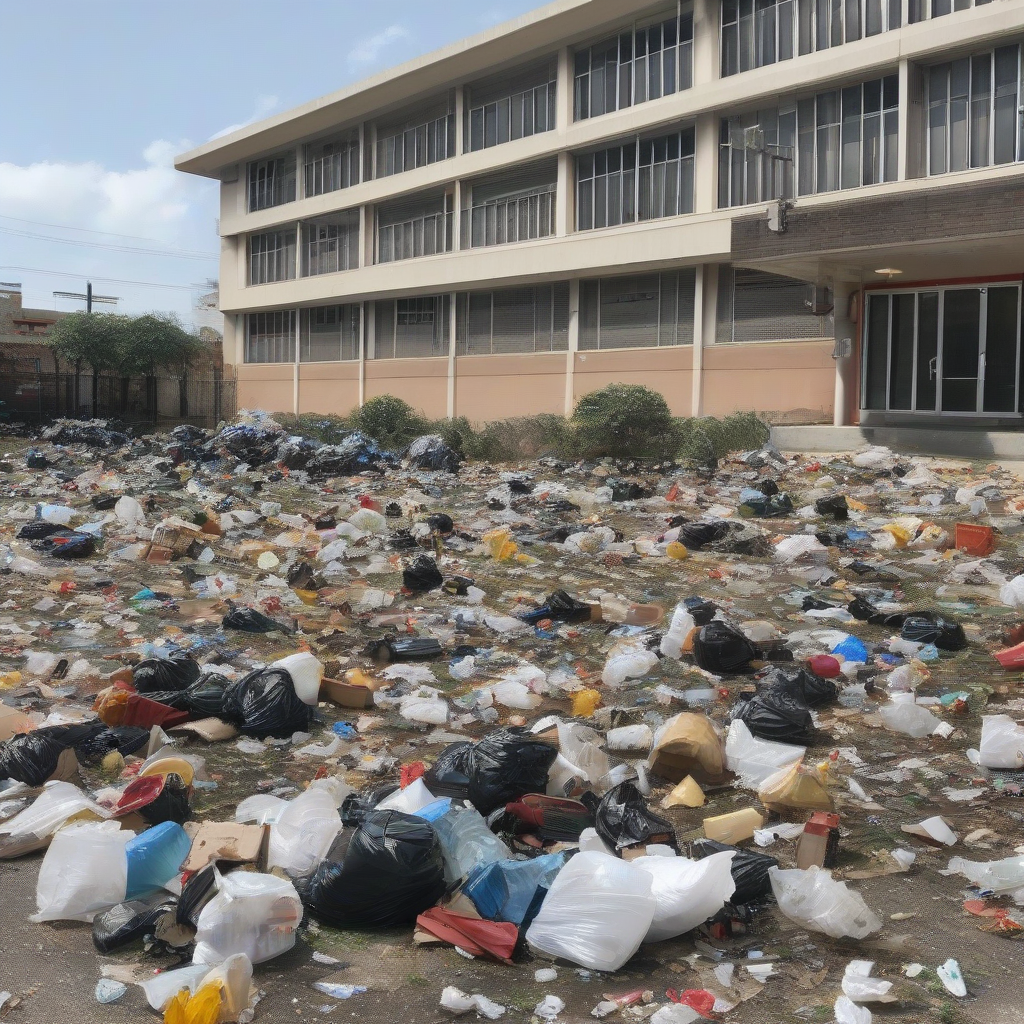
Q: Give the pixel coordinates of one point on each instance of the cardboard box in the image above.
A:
(688, 745)
(224, 840)
(348, 695)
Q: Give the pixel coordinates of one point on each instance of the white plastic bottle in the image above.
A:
(678, 630)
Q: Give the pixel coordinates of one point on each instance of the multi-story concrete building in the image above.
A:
(810, 208)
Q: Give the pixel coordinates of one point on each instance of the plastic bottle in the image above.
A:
(155, 857)
(679, 629)
(733, 828)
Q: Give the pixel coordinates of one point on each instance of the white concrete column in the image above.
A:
(564, 196)
(295, 364)
(457, 216)
(846, 366)
(706, 66)
(300, 172)
(229, 344)
(705, 170)
(367, 228)
(905, 13)
(298, 250)
(362, 150)
(366, 349)
(460, 119)
(697, 380)
(710, 309)
(564, 99)
(452, 324)
(574, 342)
(903, 140)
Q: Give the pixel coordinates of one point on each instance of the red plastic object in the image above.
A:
(411, 772)
(140, 793)
(497, 938)
(821, 823)
(1011, 657)
(975, 540)
(699, 999)
(824, 665)
(145, 713)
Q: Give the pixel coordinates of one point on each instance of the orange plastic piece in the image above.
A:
(585, 703)
(975, 540)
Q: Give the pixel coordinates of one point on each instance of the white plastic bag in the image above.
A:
(252, 914)
(58, 802)
(425, 706)
(1002, 741)
(596, 914)
(627, 661)
(456, 1001)
(467, 842)
(511, 693)
(630, 737)
(413, 798)
(85, 871)
(860, 987)
(812, 898)
(1012, 593)
(676, 1013)
(304, 832)
(848, 1012)
(799, 545)
(688, 892)
(1001, 876)
(306, 672)
(753, 760)
(908, 718)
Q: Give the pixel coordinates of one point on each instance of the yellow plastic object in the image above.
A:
(677, 551)
(733, 828)
(113, 763)
(499, 545)
(356, 677)
(9, 679)
(795, 788)
(686, 794)
(171, 766)
(202, 1008)
(306, 596)
(585, 703)
(111, 706)
(900, 534)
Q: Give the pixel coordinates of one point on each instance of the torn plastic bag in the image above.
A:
(131, 920)
(34, 757)
(355, 454)
(249, 620)
(764, 506)
(814, 900)
(422, 576)
(701, 610)
(623, 819)
(776, 715)
(698, 535)
(833, 505)
(411, 648)
(867, 612)
(506, 765)
(687, 744)
(688, 892)
(393, 870)
(627, 490)
(252, 445)
(754, 760)
(932, 628)
(722, 649)
(295, 452)
(154, 675)
(67, 546)
(264, 703)
(596, 913)
(195, 894)
(467, 842)
(801, 684)
(125, 739)
(749, 869)
(431, 452)
(304, 832)
(503, 890)
(252, 914)
(449, 774)
(561, 607)
(794, 789)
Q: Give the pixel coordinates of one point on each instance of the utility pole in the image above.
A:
(88, 296)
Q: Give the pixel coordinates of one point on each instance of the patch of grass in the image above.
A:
(822, 1012)
(417, 979)
(949, 1014)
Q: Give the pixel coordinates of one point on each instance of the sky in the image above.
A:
(105, 94)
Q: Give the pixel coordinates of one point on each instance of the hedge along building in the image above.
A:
(807, 208)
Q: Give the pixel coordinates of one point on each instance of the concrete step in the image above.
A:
(957, 442)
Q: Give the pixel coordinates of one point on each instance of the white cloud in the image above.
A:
(265, 106)
(367, 51)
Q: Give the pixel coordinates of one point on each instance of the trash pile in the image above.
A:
(564, 720)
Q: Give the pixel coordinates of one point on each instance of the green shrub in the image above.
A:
(623, 421)
(320, 426)
(389, 420)
(705, 440)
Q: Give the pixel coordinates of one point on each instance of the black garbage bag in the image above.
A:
(721, 648)
(506, 765)
(422, 576)
(67, 545)
(811, 603)
(932, 628)
(264, 703)
(155, 675)
(765, 506)
(440, 522)
(402, 540)
(393, 870)
(768, 487)
(131, 920)
(627, 490)
(449, 774)
(301, 576)
(408, 648)
(173, 804)
(833, 505)
(249, 620)
(32, 758)
(775, 714)
(749, 869)
(295, 452)
(561, 607)
(92, 433)
(356, 454)
(699, 535)
(431, 452)
(802, 685)
(36, 460)
(623, 819)
(357, 807)
(255, 446)
(125, 739)
(867, 612)
(38, 529)
(196, 893)
(701, 610)
(205, 697)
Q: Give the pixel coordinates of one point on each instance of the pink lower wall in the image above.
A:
(423, 383)
(501, 386)
(267, 386)
(668, 370)
(329, 387)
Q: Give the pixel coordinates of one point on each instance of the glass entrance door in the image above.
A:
(943, 350)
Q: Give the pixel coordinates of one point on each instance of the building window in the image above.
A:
(416, 141)
(331, 245)
(270, 337)
(644, 179)
(509, 108)
(513, 320)
(644, 311)
(515, 206)
(839, 139)
(271, 182)
(756, 33)
(271, 257)
(412, 328)
(976, 111)
(645, 62)
(922, 10)
(421, 226)
(332, 164)
(329, 334)
(754, 307)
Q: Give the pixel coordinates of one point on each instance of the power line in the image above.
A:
(90, 231)
(109, 280)
(112, 247)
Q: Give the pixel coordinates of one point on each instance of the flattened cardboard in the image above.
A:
(12, 721)
(224, 840)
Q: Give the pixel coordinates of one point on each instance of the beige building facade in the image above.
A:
(813, 209)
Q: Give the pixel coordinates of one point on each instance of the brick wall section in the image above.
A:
(976, 210)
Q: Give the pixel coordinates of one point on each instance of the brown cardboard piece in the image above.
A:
(688, 745)
(348, 695)
(12, 721)
(224, 840)
(210, 729)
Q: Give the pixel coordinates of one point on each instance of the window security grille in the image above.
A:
(332, 164)
(271, 182)
(644, 179)
(415, 141)
(643, 63)
(976, 111)
(272, 257)
(514, 206)
(330, 247)
(412, 328)
(840, 139)
(511, 107)
(643, 311)
(513, 320)
(422, 226)
(329, 333)
(753, 307)
(270, 337)
(922, 10)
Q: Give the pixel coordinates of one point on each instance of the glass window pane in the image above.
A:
(1004, 123)
(786, 29)
(851, 152)
(873, 17)
(852, 20)
(877, 345)
(959, 87)
(981, 112)
(927, 350)
(901, 355)
(1001, 343)
(960, 356)
(938, 104)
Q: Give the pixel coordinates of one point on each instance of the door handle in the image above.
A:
(933, 367)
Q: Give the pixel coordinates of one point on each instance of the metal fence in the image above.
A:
(27, 396)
